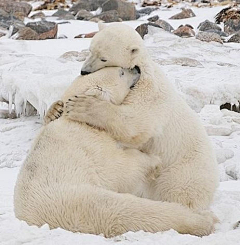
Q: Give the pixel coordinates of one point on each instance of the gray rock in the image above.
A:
(143, 29)
(145, 11)
(83, 15)
(109, 16)
(153, 18)
(38, 15)
(26, 33)
(15, 8)
(63, 15)
(164, 25)
(186, 13)
(235, 38)
(125, 10)
(89, 5)
(7, 20)
(231, 26)
(208, 25)
(184, 31)
(221, 33)
(45, 29)
(209, 37)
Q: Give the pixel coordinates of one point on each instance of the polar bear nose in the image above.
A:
(85, 72)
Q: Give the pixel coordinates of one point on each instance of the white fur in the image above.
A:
(156, 121)
(75, 176)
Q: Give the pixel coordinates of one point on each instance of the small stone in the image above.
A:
(154, 18)
(83, 15)
(184, 31)
(231, 26)
(142, 30)
(208, 25)
(209, 37)
(87, 35)
(235, 38)
(186, 13)
(75, 56)
(26, 33)
(45, 29)
(164, 25)
(221, 33)
(146, 11)
(126, 10)
(63, 15)
(89, 5)
(109, 16)
(13, 7)
(38, 15)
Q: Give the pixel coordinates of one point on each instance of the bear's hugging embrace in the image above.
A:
(120, 159)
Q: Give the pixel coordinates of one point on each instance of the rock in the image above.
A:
(125, 10)
(221, 33)
(186, 13)
(235, 38)
(89, 5)
(164, 25)
(146, 11)
(2, 34)
(38, 15)
(208, 25)
(15, 8)
(7, 20)
(231, 26)
(26, 33)
(109, 16)
(83, 15)
(45, 29)
(75, 56)
(88, 35)
(63, 14)
(209, 37)
(62, 36)
(143, 29)
(184, 31)
(96, 20)
(52, 4)
(151, 3)
(153, 18)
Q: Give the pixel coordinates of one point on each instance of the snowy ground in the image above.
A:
(32, 71)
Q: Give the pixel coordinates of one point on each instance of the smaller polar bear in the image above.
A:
(76, 176)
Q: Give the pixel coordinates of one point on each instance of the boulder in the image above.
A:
(109, 16)
(83, 15)
(184, 31)
(231, 26)
(153, 18)
(38, 15)
(16, 8)
(209, 37)
(45, 29)
(164, 25)
(208, 25)
(235, 38)
(63, 14)
(89, 5)
(186, 13)
(125, 10)
(26, 33)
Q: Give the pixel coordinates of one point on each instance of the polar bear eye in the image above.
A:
(103, 60)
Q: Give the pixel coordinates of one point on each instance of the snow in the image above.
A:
(206, 74)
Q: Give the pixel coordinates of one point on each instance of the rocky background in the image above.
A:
(20, 21)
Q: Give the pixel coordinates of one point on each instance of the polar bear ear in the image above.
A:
(101, 25)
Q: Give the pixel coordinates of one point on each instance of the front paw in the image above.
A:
(54, 112)
(83, 108)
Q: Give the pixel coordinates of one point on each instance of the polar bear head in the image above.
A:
(114, 45)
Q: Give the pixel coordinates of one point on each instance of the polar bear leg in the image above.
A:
(188, 184)
(94, 210)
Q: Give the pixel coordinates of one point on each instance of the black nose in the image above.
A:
(84, 72)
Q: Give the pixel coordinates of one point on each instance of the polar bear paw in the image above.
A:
(54, 112)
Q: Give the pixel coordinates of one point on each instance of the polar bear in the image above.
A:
(77, 176)
(153, 118)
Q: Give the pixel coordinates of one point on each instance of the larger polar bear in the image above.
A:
(153, 118)
(75, 173)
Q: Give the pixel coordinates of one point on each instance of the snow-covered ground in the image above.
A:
(206, 74)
